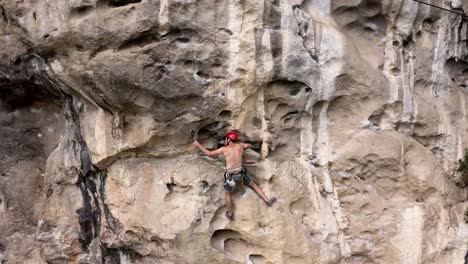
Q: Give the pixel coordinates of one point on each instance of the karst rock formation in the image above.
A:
(356, 111)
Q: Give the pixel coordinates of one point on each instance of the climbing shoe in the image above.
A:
(229, 216)
(271, 201)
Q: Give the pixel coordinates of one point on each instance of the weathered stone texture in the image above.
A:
(356, 110)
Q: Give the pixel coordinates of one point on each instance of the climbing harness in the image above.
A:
(231, 182)
(234, 170)
(235, 176)
(439, 7)
(232, 175)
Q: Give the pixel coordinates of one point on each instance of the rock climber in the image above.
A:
(235, 172)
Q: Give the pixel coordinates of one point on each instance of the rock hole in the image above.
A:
(21, 94)
(465, 73)
(211, 131)
(241, 71)
(118, 3)
(162, 70)
(203, 75)
(368, 29)
(395, 71)
(173, 32)
(183, 35)
(396, 43)
(408, 44)
(225, 115)
(220, 236)
(81, 10)
(225, 30)
(288, 122)
(372, 5)
(256, 145)
(170, 186)
(377, 21)
(141, 40)
(46, 36)
(96, 51)
(204, 134)
(344, 9)
(276, 110)
(4, 14)
(298, 207)
(359, 258)
(204, 184)
(294, 91)
(257, 259)
(236, 247)
(31, 131)
(188, 62)
(289, 118)
(182, 40)
(427, 24)
(35, 16)
(216, 63)
(205, 187)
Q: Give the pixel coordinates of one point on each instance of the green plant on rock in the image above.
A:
(132, 254)
(463, 169)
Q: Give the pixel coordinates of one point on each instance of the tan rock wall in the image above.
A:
(355, 109)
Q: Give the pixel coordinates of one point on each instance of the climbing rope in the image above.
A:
(445, 9)
(226, 258)
(199, 179)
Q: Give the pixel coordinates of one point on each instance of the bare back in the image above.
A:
(233, 154)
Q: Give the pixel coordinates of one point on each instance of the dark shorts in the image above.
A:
(237, 177)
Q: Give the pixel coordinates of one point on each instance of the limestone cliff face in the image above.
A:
(356, 110)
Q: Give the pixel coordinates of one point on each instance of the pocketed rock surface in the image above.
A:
(356, 110)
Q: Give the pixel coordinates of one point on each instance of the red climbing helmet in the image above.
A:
(233, 136)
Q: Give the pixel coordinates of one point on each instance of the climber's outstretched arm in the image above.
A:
(245, 145)
(208, 152)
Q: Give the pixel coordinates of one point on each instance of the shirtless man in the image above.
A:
(235, 172)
